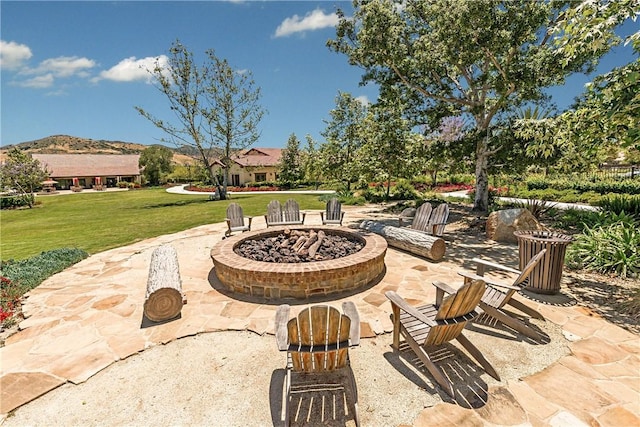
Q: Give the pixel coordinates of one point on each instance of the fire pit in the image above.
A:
(299, 279)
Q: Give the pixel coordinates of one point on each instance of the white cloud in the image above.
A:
(314, 20)
(13, 55)
(63, 66)
(363, 100)
(38, 82)
(132, 69)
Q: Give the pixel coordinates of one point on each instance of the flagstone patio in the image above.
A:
(88, 317)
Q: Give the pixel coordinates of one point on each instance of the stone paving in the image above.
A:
(82, 320)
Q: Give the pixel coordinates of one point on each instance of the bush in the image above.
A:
(403, 190)
(538, 208)
(621, 203)
(13, 201)
(613, 249)
(30, 272)
(19, 277)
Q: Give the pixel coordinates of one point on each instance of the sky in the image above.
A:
(77, 68)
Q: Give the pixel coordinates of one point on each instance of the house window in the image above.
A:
(261, 177)
(235, 180)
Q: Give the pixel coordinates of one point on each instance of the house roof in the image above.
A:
(74, 165)
(259, 157)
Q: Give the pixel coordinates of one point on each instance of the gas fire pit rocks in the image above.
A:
(298, 263)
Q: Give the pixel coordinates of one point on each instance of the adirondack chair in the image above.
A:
(438, 220)
(287, 215)
(235, 219)
(333, 212)
(421, 218)
(317, 343)
(431, 325)
(500, 294)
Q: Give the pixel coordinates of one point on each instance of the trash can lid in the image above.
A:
(543, 236)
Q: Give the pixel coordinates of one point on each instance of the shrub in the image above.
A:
(538, 208)
(13, 201)
(30, 272)
(614, 249)
(621, 203)
(403, 190)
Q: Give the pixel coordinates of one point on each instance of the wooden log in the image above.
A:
(409, 240)
(314, 248)
(163, 300)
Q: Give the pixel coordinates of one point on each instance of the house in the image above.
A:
(254, 165)
(87, 170)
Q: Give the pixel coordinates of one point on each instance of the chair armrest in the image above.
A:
(482, 262)
(282, 335)
(487, 280)
(441, 288)
(399, 302)
(350, 310)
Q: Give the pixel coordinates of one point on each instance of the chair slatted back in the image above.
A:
(522, 277)
(333, 211)
(421, 220)
(235, 215)
(291, 211)
(274, 212)
(438, 219)
(319, 339)
(454, 312)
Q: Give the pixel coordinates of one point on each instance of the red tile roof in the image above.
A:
(259, 157)
(74, 165)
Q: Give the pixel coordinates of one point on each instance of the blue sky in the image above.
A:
(73, 68)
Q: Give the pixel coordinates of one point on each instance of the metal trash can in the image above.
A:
(545, 277)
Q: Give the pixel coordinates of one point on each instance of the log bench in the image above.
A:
(164, 299)
(413, 241)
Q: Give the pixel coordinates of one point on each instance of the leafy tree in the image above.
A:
(310, 165)
(290, 169)
(477, 58)
(215, 107)
(342, 139)
(156, 161)
(384, 154)
(22, 173)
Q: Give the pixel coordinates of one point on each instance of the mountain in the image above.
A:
(65, 144)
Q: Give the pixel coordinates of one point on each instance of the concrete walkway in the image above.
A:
(90, 316)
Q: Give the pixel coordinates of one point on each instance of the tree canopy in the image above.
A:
(155, 161)
(475, 58)
(23, 174)
(216, 108)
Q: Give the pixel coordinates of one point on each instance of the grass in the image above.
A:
(95, 222)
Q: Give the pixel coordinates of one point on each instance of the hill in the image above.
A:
(65, 144)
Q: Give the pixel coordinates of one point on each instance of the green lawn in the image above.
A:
(99, 221)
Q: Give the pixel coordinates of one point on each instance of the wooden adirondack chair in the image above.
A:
(288, 215)
(235, 219)
(317, 343)
(438, 220)
(431, 325)
(500, 294)
(333, 212)
(421, 218)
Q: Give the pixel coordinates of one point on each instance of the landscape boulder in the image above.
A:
(502, 224)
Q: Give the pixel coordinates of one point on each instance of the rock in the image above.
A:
(502, 224)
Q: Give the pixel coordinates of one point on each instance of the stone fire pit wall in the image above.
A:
(298, 280)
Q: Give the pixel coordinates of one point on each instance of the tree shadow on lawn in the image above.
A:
(184, 202)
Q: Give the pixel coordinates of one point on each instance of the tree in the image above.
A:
(215, 107)
(476, 58)
(342, 139)
(155, 161)
(386, 135)
(310, 164)
(22, 173)
(290, 169)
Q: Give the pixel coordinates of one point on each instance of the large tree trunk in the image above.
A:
(163, 300)
(413, 241)
(481, 201)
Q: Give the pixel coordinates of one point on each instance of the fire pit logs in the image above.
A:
(293, 246)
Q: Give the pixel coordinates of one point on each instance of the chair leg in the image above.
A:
(287, 398)
(525, 309)
(473, 350)
(437, 374)
(510, 321)
(354, 395)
